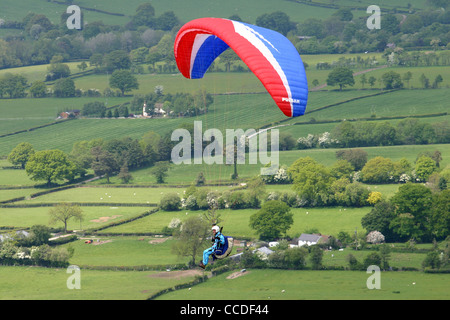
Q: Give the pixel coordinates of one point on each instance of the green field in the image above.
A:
(24, 114)
(247, 82)
(317, 285)
(398, 260)
(256, 285)
(28, 217)
(236, 222)
(399, 103)
(125, 251)
(8, 194)
(104, 195)
(185, 174)
(226, 112)
(32, 283)
(37, 72)
(172, 83)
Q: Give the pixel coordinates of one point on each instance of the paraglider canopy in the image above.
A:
(267, 53)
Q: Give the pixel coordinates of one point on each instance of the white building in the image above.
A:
(158, 110)
(144, 111)
(308, 239)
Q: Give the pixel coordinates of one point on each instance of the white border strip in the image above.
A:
(256, 39)
(198, 42)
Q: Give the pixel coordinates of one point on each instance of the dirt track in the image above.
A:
(177, 274)
(237, 274)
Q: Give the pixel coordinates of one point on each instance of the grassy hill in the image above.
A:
(276, 285)
(228, 111)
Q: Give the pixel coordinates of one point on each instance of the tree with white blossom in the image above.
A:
(375, 237)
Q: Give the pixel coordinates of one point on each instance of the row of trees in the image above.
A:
(337, 34)
(393, 57)
(42, 39)
(105, 158)
(414, 212)
(343, 32)
(407, 131)
(400, 57)
(349, 134)
(15, 86)
(195, 198)
(109, 157)
(316, 185)
(178, 104)
(174, 105)
(343, 77)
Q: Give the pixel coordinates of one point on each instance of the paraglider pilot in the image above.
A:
(219, 242)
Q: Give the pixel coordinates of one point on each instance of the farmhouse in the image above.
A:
(308, 239)
(263, 252)
(70, 114)
(158, 110)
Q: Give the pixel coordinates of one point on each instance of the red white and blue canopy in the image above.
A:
(267, 53)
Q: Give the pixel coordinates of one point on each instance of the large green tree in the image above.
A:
(20, 154)
(278, 21)
(117, 60)
(50, 166)
(413, 204)
(425, 166)
(440, 215)
(123, 80)
(38, 89)
(341, 76)
(14, 85)
(378, 170)
(160, 171)
(192, 238)
(379, 219)
(103, 162)
(64, 212)
(272, 220)
(126, 151)
(144, 15)
(81, 152)
(167, 21)
(64, 88)
(356, 157)
(392, 80)
(57, 70)
(312, 181)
